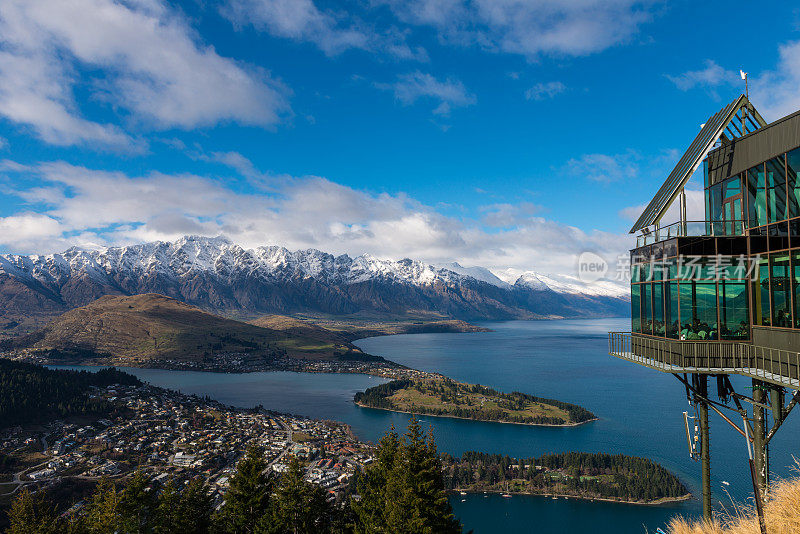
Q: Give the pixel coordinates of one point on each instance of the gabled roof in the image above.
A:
(734, 120)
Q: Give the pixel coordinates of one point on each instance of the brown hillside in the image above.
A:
(152, 326)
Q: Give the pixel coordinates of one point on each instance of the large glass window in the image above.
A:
(647, 309)
(760, 293)
(756, 196)
(724, 207)
(671, 307)
(658, 309)
(780, 290)
(792, 170)
(636, 308)
(776, 189)
(698, 304)
(714, 202)
(796, 287)
(734, 317)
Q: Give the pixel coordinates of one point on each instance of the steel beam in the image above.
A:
(705, 442)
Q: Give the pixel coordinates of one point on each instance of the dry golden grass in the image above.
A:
(782, 514)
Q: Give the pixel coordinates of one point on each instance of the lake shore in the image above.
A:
(665, 500)
(564, 425)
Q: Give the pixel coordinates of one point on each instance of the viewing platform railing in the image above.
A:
(692, 228)
(777, 366)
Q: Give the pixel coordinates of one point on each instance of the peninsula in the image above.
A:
(582, 475)
(443, 397)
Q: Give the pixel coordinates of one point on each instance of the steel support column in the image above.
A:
(705, 444)
(760, 447)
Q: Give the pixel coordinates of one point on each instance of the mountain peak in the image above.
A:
(220, 276)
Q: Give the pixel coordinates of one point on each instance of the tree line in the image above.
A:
(603, 475)
(401, 492)
(30, 392)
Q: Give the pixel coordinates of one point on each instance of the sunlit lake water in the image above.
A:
(640, 414)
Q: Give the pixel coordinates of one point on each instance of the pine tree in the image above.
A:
(183, 512)
(404, 491)
(168, 504)
(370, 510)
(31, 514)
(136, 505)
(248, 498)
(299, 507)
(103, 513)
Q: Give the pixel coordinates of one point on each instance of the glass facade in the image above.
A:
(684, 305)
(776, 189)
(792, 170)
(756, 196)
(700, 295)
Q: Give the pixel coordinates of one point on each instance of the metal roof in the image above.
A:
(721, 126)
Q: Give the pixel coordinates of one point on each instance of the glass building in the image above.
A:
(721, 296)
(733, 277)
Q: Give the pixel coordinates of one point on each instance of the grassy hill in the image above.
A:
(135, 329)
(447, 398)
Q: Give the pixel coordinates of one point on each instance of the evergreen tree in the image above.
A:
(299, 507)
(370, 510)
(248, 498)
(183, 512)
(31, 514)
(168, 502)
(136, 505)
(404, 491)
(103, 513)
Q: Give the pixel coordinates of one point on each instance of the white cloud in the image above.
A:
(507, 215)
(113, 208)
(541, 91)
(531, 29)
(710, 77)
(332, 32)
(415, 86)
(150, 65)
(605, 168)
(775, 93)
(695, 209)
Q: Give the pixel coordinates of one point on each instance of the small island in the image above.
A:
(443, 397)
(582, 475)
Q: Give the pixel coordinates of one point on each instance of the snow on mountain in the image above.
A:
(224, 260)
(478, 273)
(570, 284)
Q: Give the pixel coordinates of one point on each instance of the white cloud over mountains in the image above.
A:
(77, 205)
(139, 57)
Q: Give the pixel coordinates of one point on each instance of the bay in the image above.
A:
(640, 413)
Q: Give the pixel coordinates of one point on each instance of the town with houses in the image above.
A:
(169, 435)
(236, 362)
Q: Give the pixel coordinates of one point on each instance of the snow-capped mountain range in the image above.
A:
(221, 276)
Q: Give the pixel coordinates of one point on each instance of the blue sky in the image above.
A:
(508, 134)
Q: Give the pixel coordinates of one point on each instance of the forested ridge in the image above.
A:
(582, 474)
(30, 393)
(458, 400)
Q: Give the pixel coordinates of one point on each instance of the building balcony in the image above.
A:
(780, 367)
(692, 229)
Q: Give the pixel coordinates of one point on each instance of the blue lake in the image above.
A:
(640, 414)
